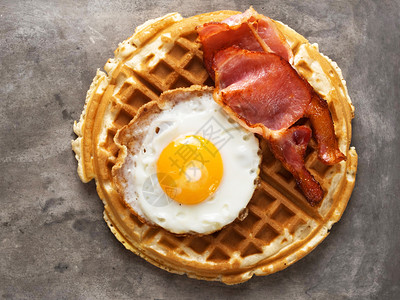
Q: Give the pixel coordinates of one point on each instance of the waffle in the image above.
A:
(281, 227)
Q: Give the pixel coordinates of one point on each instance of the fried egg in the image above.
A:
(189, 167)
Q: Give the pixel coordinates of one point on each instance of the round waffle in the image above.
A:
(281, 227)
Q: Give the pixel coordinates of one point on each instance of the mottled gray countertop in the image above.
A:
(54, 243)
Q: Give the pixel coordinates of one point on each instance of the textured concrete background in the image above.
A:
(54, 243)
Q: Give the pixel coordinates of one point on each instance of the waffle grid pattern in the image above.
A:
(182, 67)
(275, 213)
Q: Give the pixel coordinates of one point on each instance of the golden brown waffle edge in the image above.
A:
(281, 227)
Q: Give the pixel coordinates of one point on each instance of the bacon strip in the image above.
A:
(249, 30)
(265, 94)
(324, 131)
(261, 87)
(290, 148)
(217, 36)
(265, 31)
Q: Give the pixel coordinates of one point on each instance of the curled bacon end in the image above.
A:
(290, 147)
(324, 131)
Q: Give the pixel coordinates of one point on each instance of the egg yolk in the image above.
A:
(190, 169)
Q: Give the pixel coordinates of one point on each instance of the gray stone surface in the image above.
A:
(54, 243)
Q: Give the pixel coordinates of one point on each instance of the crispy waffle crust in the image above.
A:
(281, 227)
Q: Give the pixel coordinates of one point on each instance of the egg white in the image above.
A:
(239, 151)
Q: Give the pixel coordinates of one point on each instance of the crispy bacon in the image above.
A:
(267, 95)
(289, 147)
(255, 83)
(249, 30)
(324, 132)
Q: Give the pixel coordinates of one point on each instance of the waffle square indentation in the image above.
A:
(262, 200)
(136, 220)
(123, 118)
(195, 66)
(109, 139)
(319, 167)
(150, 233)
(282, 215)
(177, 52)
(250, 250)
(162, 70)
(250, 221)
(199, 244)
(218, 255)
(137, 99)
(167, 242)
(266, 234)
(181, 82)
(285, 174)
(232, 238)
